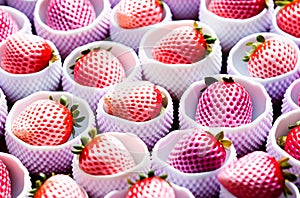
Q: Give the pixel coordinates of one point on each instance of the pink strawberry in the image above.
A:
(183, 45)
(150, 186)
(256, 175)
(8, 25)
(199, 152)
(139, 13)
(291, 142)
(98, 68)
(135, 101)
(26, 54)
(224, 103)
(5, 181)
(271, 57)
(288, 17)
(237, 9)
(69, 14)
(57, 186)
(104, 154)
(47, 122)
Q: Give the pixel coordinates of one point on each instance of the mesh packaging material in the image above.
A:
(47, 159)
(108, 183)
(18, 86)
(67, 41)
(126, 56)
(275, 86)
(149, 131)
(246, 138)
(290, 100)
(3, 112)
(200, 184)
(179, 76)
(230, 31)
(25, 6)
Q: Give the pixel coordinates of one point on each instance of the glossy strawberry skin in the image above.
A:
(288, 19)
(183, 45)
(224, 104)
(135, 101)
(8, 25)
(60, 186)
(197, 152)
(67, 15)
(5, 181)
(26, 54)
(255, 175)
(237, 9)
(292, 145)
(151, 188)
(44, 122)
(276, 56)
(139, 13)
(105, 155)
(99, 68)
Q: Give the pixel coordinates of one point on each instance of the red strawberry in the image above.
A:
(237, 9)
(57, 186)
(150, 187)
(288, 17)
(199, 152)
(291, 142)
(69, 14)
(5, 181)
(256, 175)
(135, 101)
(271, 57)
(183, 45)
(104, 154)
(47, 122)
(8, 25)
(224, 104)
(98, 68)
(139, 13)
(26, 53)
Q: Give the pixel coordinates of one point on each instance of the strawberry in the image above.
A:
(291, 142)
(237, 9)
(26, 54)
(8, 25)
(224, 103)
(98, 68)
(269, 58)
(135, 101)
(199, 152)
(183, 45)
(69, 14)
(150, 186)
(139, 13)
(47, 122)
(288, 17)
(104, 154)
(56, 186)
(256, 175)
(5, 181)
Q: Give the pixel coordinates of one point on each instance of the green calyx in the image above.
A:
(142, 177)
(283, 163)
(38, 184)
(77, 149)
(160, 2)
(211, 80)
(283, 3)
(281, 140)
(209, 39)
(259, 41)
(226, 143)
(53, 57)
(84, 53)
(74, 109)
(294, 125)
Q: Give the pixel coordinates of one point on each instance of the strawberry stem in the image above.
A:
(208, 38)
(228, 79)
(259, 41)
(283, 3)
(84, 142)
(281, 140)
